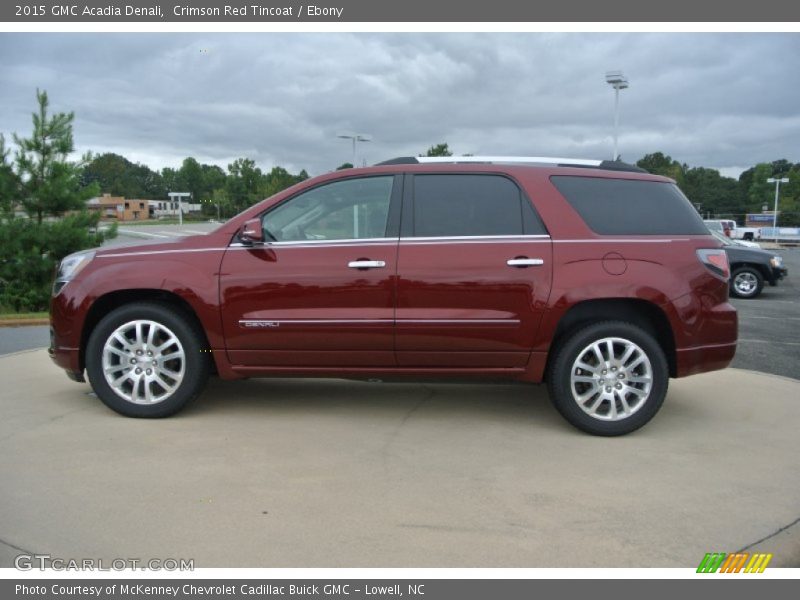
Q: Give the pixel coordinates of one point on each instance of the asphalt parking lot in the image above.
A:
(769, 326)
(328, 473)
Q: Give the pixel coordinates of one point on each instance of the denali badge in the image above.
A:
(251, 323)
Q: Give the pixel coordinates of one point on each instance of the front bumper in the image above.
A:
(67, 358)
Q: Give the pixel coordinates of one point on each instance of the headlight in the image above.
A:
(776, 262)
(70, 266)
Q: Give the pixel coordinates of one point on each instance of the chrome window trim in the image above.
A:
(473, 237)
(393, 240)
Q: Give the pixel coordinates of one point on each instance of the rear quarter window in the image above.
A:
(630, 206)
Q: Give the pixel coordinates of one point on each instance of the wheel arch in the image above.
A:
(641, 313)
(111, 300)
(760, 267)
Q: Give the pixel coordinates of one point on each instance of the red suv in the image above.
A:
(595, 277)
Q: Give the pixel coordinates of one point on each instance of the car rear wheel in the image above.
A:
(146, 360)
(609, 378)
(746, 282)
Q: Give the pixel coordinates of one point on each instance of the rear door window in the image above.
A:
(630, 206)
(459, 205)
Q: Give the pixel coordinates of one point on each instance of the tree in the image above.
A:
(346, 165)
(438, 150)
(660, 164)
(716, 195)
(212, 178)
(9, 182)
(51, 184)
(189, 178)
(46, 185)
(243, 183)
(279, 179)
(759, 192)
(116, 175)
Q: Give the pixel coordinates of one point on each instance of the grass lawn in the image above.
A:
(18, 316)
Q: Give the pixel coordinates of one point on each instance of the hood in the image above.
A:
(211, 240)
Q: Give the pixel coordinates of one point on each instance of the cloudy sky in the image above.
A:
(725, 101)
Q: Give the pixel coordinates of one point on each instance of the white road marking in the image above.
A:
(775, 318)
(136, 233)
(770, 342)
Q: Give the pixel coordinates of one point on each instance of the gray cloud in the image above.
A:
(725, 101)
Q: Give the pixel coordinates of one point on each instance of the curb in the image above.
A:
(23, 322)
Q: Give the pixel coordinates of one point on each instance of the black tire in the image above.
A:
(746, 282)
(167, 320)
(607, 421)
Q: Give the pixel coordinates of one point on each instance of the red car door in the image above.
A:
(474, 272)
(320, 291)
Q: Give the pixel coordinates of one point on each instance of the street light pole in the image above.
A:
(777, 182)
(356, 137)
(619, 82)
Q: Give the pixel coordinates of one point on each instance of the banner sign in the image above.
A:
(207, 11)
(383, 589)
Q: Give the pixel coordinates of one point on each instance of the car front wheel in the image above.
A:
(609, 378)
(146, 360)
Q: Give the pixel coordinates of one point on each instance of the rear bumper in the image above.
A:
(706, 332)
(701, 359)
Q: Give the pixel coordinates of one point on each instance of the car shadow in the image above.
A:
(264, 397)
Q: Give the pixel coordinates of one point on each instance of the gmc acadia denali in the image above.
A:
(594, 277)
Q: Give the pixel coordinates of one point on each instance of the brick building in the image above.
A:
(120, 208)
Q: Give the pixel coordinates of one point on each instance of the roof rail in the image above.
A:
(613, 165)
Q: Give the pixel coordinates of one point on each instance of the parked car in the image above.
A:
(527, 269)
(751, 267)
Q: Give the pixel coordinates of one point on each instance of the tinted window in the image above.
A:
(343, 210)
(468, 205)
(630, 207)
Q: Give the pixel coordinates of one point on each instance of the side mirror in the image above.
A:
(251, 232)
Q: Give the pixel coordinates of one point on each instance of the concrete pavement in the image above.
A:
(304, 473)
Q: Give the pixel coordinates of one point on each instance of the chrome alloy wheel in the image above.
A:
(143, 362)
(611, 379)
(745, 283)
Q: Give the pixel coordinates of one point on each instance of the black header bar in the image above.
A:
(450, 11)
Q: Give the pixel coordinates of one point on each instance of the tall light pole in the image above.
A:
(356, 137)
(777, 183)
(619, 82)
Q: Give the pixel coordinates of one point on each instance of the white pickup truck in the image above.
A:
(732, 230)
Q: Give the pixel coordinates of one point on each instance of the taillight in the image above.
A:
(715, 261)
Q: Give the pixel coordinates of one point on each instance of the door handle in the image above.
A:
(523, 262)
(366, 264)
